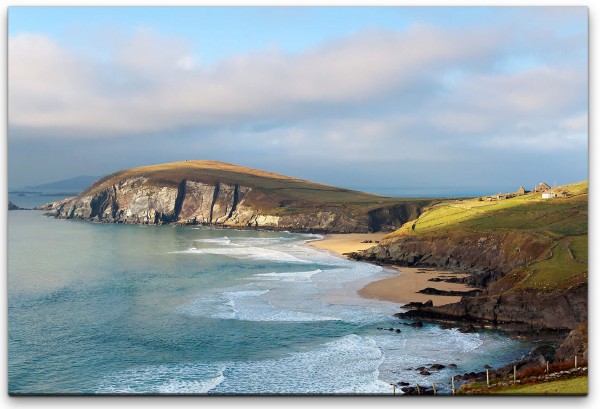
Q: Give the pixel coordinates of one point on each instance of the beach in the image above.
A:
(404, 287)
(347, 243)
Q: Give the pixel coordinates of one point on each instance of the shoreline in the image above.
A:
(404, 286)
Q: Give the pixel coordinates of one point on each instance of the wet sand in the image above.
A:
(402, 288)
(347, 243)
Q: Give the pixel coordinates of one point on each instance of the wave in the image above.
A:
(197, 378)
(249, 305)
(246, 253)
(346, 365)
(221, 240)
(287, 277)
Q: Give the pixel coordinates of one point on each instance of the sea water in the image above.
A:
(128, 309)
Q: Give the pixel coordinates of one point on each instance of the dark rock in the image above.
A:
(421, 368)
(437, 367)
(486, 366)
(415, 324)
(576, 343)
(390, 329)
(398, 331)
(12, 206)
(452, 366)
(450, 279)
(416, 304)
(425, 372)
(548, 351)
(446, 326)
(403, 383)
(435, 291)
(467, 329)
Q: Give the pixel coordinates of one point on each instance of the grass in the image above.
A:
(272, 193)
(573, 386)
(559, 216)
(270, 184)
(555, 228)
(560, 268)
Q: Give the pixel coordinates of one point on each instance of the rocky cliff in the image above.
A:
(200, 192)
(528, 257)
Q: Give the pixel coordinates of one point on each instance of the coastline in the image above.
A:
(404, 286)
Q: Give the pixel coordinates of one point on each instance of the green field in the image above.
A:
(560, 225)
(574, 386)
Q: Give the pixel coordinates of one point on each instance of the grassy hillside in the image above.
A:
(561, 223)
(574, 386)
(279, 190)
(212, 192)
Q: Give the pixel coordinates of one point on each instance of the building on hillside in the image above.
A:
(521, 191)
(542, 187)
(561, 193)
(548, 195)
(500, 196)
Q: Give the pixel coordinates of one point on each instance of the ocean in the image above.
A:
(127, 309)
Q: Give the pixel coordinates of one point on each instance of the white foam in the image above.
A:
(220, 240)
(247, 253)
(287, 277)
(249, 305)
(346, 365)
(196, 378)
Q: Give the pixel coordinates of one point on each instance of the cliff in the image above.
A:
(527, 254)
(215, 193)
(12, 206)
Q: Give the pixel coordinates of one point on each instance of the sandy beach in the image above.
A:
(405, 286)
(347, 243)
(402, 288)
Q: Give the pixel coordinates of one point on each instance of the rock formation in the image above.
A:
(234, 197)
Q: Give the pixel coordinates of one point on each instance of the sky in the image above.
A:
(390, 100)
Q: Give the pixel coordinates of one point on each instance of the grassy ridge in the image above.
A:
(574, 386)
(272, 185)
(561, 222)
(278, 195)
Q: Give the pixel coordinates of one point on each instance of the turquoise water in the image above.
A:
(104, 309)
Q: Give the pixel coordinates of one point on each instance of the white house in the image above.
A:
(548, 195)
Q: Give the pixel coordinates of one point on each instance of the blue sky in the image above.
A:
(384, 99)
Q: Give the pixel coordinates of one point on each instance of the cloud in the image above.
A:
(152, 82)
(426, 94)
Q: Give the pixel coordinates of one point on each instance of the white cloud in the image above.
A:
(379, 93)
(151, 82)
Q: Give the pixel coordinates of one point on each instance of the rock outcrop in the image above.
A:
(157, 198)
(489, 258)
(527, 311)
(490, 255)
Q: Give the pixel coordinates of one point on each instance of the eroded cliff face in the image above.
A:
(489, 257)
(523, 310)
(142, 201)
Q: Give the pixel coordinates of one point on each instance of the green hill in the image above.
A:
(216, 193)
(560, 224)
(528, 256)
